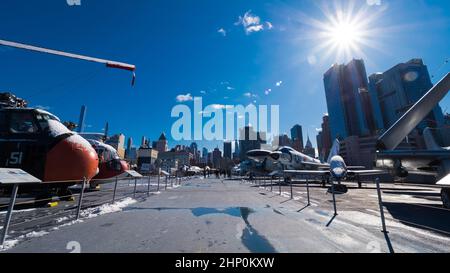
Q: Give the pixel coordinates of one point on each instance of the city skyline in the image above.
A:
(245, 53)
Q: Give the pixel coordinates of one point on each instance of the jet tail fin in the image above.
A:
(430, 142)
(334, 150)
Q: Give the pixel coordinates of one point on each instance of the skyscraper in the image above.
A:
(236, 149)
(143, 141)
(249, 140)
(129, 143)
(319, 145)
(397, 89)
(309, 149)
(129, 146)
(283, 140)
(227, 149)
(326, 137)
(349, 105)
(297, 137)
(161, 145)
(194, 149)
(216, 158)
(117, 142)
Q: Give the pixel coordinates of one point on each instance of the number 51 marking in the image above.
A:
(15, 158)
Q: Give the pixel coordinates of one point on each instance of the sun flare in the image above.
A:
(341, 32)
(344, 35)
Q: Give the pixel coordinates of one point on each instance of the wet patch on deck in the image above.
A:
(251, 238)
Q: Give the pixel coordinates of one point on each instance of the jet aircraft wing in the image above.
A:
(308, 172)
(444, 181)
(366, 172)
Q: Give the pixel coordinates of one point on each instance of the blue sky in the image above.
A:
(186, 47)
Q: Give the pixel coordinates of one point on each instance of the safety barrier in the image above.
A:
(115, 189)
(261, 181)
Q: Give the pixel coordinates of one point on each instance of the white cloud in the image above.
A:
(250, 95)
(202, 92)
(256, 28)
(250, 22)
(230, 88)
(373, 2)
(218, 106)
(269, 25)
(250, 19)
(222, 31)
(221, 106)
(267, 92)
(183, 98)
(279, 83)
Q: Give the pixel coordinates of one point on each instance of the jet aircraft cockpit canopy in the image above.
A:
(285, 149)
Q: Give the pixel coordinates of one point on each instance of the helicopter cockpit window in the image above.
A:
(108, 155)
(22, 123)
(43, 120)
(3, 123)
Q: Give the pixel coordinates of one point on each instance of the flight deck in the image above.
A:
(204, 215)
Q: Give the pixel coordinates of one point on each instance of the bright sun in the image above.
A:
(344, 35)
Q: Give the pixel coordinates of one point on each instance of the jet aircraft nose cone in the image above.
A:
(338, 172)
(70, 159)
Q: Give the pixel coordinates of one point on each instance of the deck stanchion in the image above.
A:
(292, 193)
(115, 190)
(334, 197)
(380, 203)
(165, 187)
(148, 186)
(135, 184)
(80, 200)
(159, 178)
(12, 201)
(271, 184)
(279, 184)
(307, 190)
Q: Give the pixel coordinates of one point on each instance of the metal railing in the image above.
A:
(111, 191)
(261, 182)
